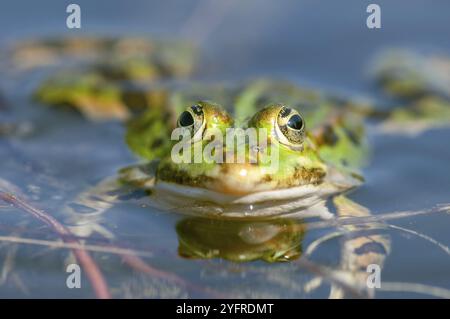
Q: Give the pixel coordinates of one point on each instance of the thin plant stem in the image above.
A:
(89, 265)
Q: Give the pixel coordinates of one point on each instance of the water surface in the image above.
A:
(322, 44)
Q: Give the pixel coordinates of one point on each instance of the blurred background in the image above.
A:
(322, 41)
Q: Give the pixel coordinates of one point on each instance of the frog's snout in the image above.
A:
(241, 179)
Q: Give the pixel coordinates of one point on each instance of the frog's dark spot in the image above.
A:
(354, 138)
(198, 109)
(158, 142)
(303, 176)
(329, 136)
(344, 162)
(285, 111)
(266, 178)
(371, 247)
(167, 173)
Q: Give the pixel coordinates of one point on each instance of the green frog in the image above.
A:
(319, 142)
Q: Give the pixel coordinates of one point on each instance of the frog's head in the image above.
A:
(283, 165)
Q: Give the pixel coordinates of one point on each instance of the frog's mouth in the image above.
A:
(235, 180)
(238, 184)
(266, 204)
(226, 198)
(270, 202)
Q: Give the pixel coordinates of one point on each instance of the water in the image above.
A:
(323, 44)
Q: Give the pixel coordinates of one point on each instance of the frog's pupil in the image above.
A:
(295, 122)
(186, 119)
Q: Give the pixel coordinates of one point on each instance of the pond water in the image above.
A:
(57, 154)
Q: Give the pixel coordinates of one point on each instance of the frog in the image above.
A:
(301, 173)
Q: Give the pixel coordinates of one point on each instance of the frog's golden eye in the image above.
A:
(290, 128)
(193, 120)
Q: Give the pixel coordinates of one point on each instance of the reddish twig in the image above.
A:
(93, 272)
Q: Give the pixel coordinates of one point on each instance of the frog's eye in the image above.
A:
(290, 128)
(193, 119)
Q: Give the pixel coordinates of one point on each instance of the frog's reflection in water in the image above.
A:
(237, 240)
